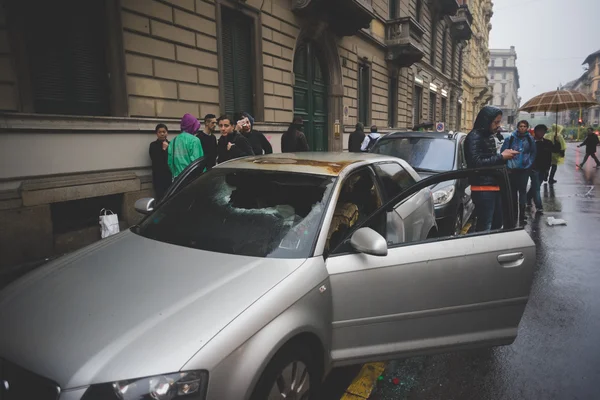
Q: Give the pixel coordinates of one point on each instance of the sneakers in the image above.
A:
(553, 181)
(539, 211)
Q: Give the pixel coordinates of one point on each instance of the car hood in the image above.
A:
(127, 307)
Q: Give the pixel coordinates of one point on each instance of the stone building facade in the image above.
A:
(477, 90)
(83, 85)
(504, 78)
(588, 83)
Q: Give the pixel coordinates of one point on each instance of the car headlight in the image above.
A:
(444, 195)
(177, 386)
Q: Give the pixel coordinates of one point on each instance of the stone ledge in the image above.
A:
(77, 180)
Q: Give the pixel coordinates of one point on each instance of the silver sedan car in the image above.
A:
(253, 280)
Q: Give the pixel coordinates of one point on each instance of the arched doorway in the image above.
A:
(310, 95)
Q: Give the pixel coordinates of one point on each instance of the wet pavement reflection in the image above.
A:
(557, 352)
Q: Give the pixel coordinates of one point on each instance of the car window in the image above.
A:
(244, 212)
(394, 178)
(421, 153)
(359, 198)
(461, 153)
(187, 176)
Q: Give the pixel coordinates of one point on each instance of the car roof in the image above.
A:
(432, 135)
(316, 163)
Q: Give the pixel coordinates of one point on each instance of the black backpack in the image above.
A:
(371, 143)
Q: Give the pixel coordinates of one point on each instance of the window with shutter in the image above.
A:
(238, 61)
(66, 45)
(363, 93)
(444, 110)
(392, 102)
(417, 105)
(432, 107)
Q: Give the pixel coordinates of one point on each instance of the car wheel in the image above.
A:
(458, 223)
(292, 374)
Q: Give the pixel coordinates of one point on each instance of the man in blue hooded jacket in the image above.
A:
(519, 167)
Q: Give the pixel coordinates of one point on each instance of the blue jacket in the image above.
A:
(523, 144)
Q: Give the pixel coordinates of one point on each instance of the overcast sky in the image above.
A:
(547, 56)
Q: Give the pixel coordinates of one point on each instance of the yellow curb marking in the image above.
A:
(364, 383)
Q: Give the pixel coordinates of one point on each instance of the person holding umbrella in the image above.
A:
(590, 143)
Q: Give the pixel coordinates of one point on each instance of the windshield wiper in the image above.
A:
(426, 170)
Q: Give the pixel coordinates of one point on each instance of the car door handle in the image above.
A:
(511, 260)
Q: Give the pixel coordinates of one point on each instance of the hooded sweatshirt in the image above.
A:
(526, 147)
(260, 144)
(480, 146)
(186, 147)
(559, 144)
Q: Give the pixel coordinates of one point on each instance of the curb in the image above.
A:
(363, 384)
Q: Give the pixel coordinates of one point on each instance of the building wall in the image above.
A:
(475, 75)
(497, 73)
(170, 53)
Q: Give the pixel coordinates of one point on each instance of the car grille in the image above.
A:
(19, 384)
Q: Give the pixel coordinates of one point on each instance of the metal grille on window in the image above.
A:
(444, 109)
(432, 107)
(417, 104)
(363, 93)
(392, 102)
(237, 52)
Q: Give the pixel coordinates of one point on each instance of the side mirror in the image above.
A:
(144, 205)
(367, 241)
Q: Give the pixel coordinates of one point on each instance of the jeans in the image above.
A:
(534, 191)
(518, 186)
(588, 155)
(488, 210)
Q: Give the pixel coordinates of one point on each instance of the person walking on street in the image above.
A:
(356, 138)
(590, 143)
(231, 144)
(370, 139)
(209, 141)
(480, 151)
(540, 168)
(294, 140)
(245, 125)
(519, 167)
(559, 146)
(186, 148)
(161, 174)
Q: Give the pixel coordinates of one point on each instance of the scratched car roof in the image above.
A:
(317, 163)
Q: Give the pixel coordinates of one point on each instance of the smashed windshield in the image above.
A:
(244, 212)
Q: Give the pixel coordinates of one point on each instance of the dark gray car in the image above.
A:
(430, 153)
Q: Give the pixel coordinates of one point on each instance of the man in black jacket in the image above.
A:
(480, 151)
(356, 138)
(541, 166)
(590, 143)
(208, 140)
(231, 144)
(245, 125)
(161, 173)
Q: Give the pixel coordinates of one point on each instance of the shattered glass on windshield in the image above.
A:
(244, 212)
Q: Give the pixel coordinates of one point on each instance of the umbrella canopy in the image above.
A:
(559, 100)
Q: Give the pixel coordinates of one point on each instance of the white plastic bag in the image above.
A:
(556, 221)
(109, 223)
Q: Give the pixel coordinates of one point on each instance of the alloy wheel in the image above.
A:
(293, 383)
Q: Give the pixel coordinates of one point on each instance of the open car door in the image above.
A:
(435, 295)
(188, 175)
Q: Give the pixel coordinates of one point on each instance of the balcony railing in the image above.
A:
(403, 38)
(461, 24)
(345, 17)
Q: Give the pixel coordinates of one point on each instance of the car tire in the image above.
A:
(458, 223)
(292, 374)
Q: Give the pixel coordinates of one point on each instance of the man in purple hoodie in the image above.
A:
(185, 148)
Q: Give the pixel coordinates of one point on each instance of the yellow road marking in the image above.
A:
(364, 383)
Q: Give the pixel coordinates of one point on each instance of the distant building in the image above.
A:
(477, 90)
(588, 83)
(504, 77)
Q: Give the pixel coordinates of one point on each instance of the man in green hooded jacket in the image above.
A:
(185, 148)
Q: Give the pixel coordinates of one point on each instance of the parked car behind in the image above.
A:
(254, 279)
(431, 153)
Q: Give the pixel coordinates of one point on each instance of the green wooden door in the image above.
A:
(310, 96)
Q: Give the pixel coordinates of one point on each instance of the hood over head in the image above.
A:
(250, 118)
(485, 118)
(190, 124)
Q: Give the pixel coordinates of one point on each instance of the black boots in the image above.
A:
(522, 216)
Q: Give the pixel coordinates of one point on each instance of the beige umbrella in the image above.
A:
(559, 100)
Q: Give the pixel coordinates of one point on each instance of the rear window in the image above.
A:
(421, 153)
(244, 212)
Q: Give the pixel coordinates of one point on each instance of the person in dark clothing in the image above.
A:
(231, 144)
(294, 140)
(541, 167)
(480, 151)
(245, 125)
(161, 174)
(356, 138)
(209, 141)
(590, 143)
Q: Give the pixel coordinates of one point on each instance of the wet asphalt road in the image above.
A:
(557, 352)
